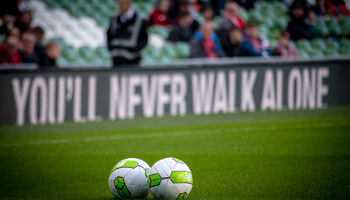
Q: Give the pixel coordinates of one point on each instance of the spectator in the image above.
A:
(246, 4)
(206, 44)
(207, 14)
(126, 35)
(231, 19)
(185, 30)
(253, 45)
(284, 48)
(176, 8)
(320, 8)
(9, 53)
(27, 52)
(311, 20)
(337, 8)
(24, 21)
(6, 23)
(52, 53)
(160, 15)
(180, 6)
(297, 26)
(39, 35)
(233, 48)
(14, 31)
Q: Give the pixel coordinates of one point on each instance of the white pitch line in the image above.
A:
(169, 134)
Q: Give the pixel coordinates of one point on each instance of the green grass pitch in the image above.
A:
(262, 155)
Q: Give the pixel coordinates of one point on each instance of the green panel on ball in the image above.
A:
(178, 160)
(121, 187)
(154, 180)
(147, 172)
(119, 183)
(181, 177)
(124, 193)
(182, 196)
(126, 164)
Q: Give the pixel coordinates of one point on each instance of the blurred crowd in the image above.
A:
(212, 28)
(20, 42)
(233, 37)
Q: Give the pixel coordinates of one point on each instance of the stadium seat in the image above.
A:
(304, 45)
(281, 23)
(334, 27)
(345, 26)
(168, 50)
(322, 27)
(303, 54)
(317, 53)
(159, 30)
(318, 44)
(182, 49)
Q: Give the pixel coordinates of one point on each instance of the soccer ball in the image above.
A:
(170, 178)
(129, 179)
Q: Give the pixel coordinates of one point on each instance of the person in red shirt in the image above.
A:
(205, 44)
(208, 42)
(230, 20)
(231, 14)
(160, 15)
(9, 53)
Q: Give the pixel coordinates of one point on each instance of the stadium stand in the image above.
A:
(79, 29)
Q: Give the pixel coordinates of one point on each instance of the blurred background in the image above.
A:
(287, 28)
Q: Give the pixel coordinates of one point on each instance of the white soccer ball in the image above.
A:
(129, 179)
(170, 178)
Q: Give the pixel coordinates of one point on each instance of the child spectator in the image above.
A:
(39, 35)
(185, 30)
(233, 48)
(9, 53)
(253, 45)
(206, 44)
(53, 52)
(320, 8)
(160, 16)
(284, 48)
(27, 52)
